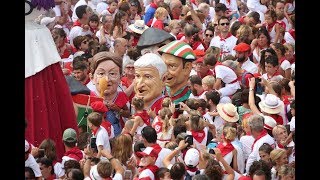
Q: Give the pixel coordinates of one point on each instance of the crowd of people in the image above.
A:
(177, 89)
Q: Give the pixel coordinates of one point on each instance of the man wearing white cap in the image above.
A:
(147, 160)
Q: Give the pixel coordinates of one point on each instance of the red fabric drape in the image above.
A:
(48, 107)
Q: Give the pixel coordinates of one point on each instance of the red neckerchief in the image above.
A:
(77, 23)
(277, 118)
(74, 153)
(157, 104)
(179, 36)
(87, 81)
(93, 30)
(157, 148)
(285, 99)
(107, 125)
(144, 116)
(228, 1)
(225, 149)
(292, 32)
(108, 9)
(270, 26)
(198, 135)
(248, 134)
(158, 126)
(275, 74)
(280, 146)
(94, 131)
(52, 177)
(224, 39)
(195, 45)
(262, 134)
(241, 19)
(153, 5)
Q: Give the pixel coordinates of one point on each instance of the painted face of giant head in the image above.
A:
(150, 70)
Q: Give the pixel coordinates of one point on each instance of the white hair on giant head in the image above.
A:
(152, 60)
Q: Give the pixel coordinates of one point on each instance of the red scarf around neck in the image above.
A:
(224, 39)
(262, 134)
(270, 26)
(198, 135)
(77, 23)
(225, 149)
(144, 116)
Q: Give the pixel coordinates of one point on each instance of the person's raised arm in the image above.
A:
(136, 123)
(252, 103)
(226, 166)
(195, 18)
(114, 162)
(217, 85)
(167, 160)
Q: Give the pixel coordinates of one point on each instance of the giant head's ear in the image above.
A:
(187, 66)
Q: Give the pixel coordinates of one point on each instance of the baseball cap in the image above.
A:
(242, 47)
(191, 159)
(69, 135)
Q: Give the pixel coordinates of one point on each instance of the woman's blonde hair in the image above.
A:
(165, 115)
(229, 133)
(122, 148)
(276, 154)
(244, 31)
(160, 12)
(286, 170)
(209, 80)
(275, 130)
(166, 102)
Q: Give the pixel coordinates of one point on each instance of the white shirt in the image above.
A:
(288, 26)
(255, 5)
(58, 169)
(246, 142)
(226, 46)
(201, 96)
(273, 78)
(254, 155)
(233, 6)
(288, 38)
(103, 138)
(249, 66)
(240, 157)
(162, 154)
(226, 74)
(31, 162)
(292, 124)
(79, 3)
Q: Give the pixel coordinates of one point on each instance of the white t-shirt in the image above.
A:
(246, 142)
(254, 155)
(162, 154)
(226, 46)
(103, 138)
(273, 78)
(255, 5)
(288, 38)
(233, 6)
(292, 124)
(31, 162)
(249, 66)
(226, 74)
(197, 144)
(58, 169)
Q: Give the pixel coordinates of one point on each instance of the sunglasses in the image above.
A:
(182, 15)
(211, 35)
(84, 42)
(227, 24)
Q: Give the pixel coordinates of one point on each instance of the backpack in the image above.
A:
(189, 177)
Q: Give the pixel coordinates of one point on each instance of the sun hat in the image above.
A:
(179, 49)
(138, 26)
(271, 104)
(191, 159)
(228, 112)
(269, 122)
(69, 135)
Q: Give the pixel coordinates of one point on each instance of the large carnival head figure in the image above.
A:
(153, 38)
(150, 74)
(178, 57)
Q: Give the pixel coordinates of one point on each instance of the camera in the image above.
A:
(93, 144)
(189, 139)
(259, 87)
(177, 106)
(211, 151)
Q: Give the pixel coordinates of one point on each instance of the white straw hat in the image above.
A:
(271, 104)
(228, 112)
(138, 27)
